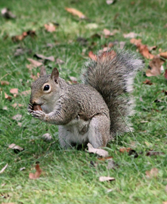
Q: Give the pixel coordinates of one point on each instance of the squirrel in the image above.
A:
(93, 112)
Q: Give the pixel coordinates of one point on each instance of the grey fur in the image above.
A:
(90, 112)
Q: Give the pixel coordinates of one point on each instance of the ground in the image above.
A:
(72, 176)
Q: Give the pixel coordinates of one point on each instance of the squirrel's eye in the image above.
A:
(46, 88)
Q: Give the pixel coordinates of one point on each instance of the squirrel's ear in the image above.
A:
(55, 75)
(42, 71)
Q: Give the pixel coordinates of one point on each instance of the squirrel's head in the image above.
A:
(45, 90)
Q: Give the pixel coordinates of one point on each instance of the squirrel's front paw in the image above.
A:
(38, 114)
(30, 108)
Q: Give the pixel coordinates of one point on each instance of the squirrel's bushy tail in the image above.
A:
(112, 75)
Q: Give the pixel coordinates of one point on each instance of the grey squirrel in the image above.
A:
(91, 112)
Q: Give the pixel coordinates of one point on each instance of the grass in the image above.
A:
(68, 176)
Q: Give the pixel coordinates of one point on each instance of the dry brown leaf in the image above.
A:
(75, 12)
(47, 137)
(59, 61)
(8, 97)
(105, 158)
(39, 56)
(143, 49)
(50, 27)
(34, 62)
(163, 54)
(108, 33)
(14, 91)
(15, 105)
(6, 13)
(37, 173)
(148, 82)
(35, 77)
(25, 93)
(18, 38)
(106, 178)
(152, 173)
(3, 169)
(125, 149)
(92, 56)
(135, 41)
(100, 152)
(155, 65)
(15, 147)
(4, 83)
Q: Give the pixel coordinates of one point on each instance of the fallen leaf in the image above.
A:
(104, 178)
(25, 93)
(16, 148)
(148, 82)
(124, 149)
(152, 48)
(35, 77)
(4, 83)
(47, 137)
(153, 153)
(130, 35)
(59, 61)
(103, 55)
(152, 173)
(34, 64)
(37, 173)
(135, 41)
(5, 108)
(14, 91)
(6, 13)
(39, 56)
(110, 2)
(105, 158)
(17, 117)
(50, 27)
(22, 168)
(8, 97)
(100, 152)
(3, 169)
(108, 33)
(92, 56)
(75, 12)
(163, 54)
(155, 65)
(143, 49)
(18, 38)
(15, 105)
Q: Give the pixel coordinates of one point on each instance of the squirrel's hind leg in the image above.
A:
(99, 131)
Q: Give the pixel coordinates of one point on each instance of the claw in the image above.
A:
(30, 106)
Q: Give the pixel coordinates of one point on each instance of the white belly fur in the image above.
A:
(74, 132)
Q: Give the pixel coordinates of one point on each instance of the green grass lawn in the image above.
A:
(68, 175)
